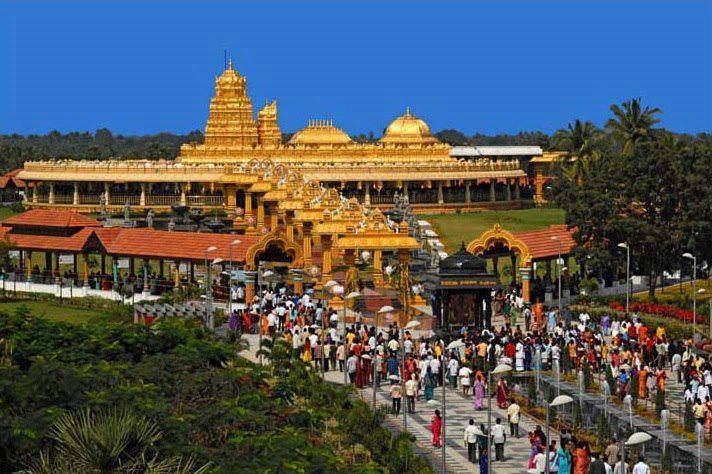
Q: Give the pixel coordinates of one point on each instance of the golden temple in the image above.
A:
(407, 159)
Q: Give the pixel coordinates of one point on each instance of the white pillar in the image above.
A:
(75, 199)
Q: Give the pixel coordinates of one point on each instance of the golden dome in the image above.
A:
(320, 132)
(408, 129)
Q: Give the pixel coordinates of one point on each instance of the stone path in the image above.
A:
(458, 412)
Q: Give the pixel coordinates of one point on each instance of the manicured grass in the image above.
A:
(52, 311)
(457, 228)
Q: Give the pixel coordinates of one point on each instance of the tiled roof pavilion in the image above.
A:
(532, 245)
(68, 231)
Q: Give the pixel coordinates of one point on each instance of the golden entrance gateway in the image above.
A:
(219, 173)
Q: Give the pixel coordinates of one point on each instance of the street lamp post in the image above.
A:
(261, 275)
(558, 401)
(558, 267)
(500, 369)
(383, 310)
(335, 289)
(411, 325)
(634, 440)
(208, 285)
(229, 284)
(625, 246)
(352, 295)
(694, 287)
(457, 344)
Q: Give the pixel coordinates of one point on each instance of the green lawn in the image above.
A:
(457, 228)
(52, 311)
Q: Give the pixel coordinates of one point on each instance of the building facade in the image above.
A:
(407, 159)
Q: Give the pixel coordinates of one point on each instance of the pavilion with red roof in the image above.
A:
(529, 247)
(61, 232)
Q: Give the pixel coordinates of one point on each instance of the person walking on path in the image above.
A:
(513, 416)
(471, 441)
(436, 425)
(482, 437)
(640, 467)
(564, 458)
(396, 396)
(499, 437)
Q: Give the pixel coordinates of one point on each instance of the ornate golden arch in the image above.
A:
(496, 235)
(291, 247)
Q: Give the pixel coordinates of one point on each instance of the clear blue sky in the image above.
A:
(477, 67)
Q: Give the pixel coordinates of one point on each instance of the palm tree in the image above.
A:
(112, 442)
(576, 138)
(632, 123)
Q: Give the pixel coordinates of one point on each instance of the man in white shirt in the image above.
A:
(513, 416)
(453, 367)
(498, 439)
(411, 391)
(640, 467)
(471, 441)
(408, 346)
(465, 373)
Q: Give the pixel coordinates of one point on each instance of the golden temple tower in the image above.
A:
(231, 121)
(268, 126)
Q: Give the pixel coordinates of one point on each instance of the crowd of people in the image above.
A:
(536, 339)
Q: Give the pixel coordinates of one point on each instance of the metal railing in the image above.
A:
(89, 198)
(162, 200)
(63, 199)
(121, 199)
(204, 200)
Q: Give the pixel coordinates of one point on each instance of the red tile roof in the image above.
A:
(11, 176)
(151, 243)
(73, 243)
(50, 218)
(540, 241)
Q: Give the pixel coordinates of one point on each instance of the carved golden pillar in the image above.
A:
(307, 243)
(326, 258)
(75, 198)
(249, 287)
(260, 213)
(183, 198)
(378, 267)
(273, 219)
(35, 193)
(249, 218)
(538, 186)
(289, 229)
(229, 198)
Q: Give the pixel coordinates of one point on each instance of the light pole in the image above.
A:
(229, 284)
(699, 292)
(500, 369)
(261, 275)
(625, 246)
(335, 289)
(558, 267)
(558, 401)
(694, 287)
(350, 296)
(411, 325)
(208, 285)
(456, 344)
(383, 310)
(634, 440)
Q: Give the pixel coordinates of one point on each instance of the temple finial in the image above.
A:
(229, 64)
(407, 111)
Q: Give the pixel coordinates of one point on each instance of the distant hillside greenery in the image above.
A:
(103, 144)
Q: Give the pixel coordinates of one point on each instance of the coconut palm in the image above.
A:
(576, 138)
(632, 123)
(112, 442)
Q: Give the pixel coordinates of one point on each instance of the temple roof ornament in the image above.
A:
(320, 132)
(408, 129)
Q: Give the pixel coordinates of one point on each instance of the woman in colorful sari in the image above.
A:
(479, 392)
(564, 458)
(502, 395)
(581, 459)
(643, 383)
(436, 425)
(708, 414)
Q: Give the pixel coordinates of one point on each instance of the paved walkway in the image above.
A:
(459, 411)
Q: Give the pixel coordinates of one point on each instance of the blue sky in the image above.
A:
(479, 67)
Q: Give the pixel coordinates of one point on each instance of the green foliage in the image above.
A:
(531, 391)
(587, 376)
(208, 404)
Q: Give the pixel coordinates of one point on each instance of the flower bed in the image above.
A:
(662, 310)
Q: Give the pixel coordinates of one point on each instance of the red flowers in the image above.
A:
(660, 310)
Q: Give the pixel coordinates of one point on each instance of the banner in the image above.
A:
(122, 263)
(66, 259)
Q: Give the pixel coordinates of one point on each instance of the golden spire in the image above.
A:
(407, 111)
(229, 64)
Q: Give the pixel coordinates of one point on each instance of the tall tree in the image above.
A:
(577, 138)
(632, 122)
